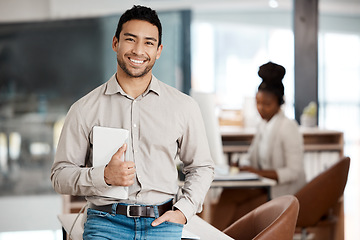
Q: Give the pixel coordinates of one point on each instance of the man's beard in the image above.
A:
(128, 72)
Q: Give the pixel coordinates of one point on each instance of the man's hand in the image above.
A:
(118, 172)
(170, 216)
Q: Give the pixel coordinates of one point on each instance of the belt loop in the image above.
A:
(156, 211)
(113, 208)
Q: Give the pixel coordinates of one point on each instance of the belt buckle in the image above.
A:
(128, 211)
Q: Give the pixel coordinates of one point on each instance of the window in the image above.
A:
(227, 56)
(339, 83)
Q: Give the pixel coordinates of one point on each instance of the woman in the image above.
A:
(276, 152)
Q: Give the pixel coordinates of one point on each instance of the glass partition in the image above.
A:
(44, 68)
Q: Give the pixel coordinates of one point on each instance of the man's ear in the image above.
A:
(115, 43)
(159, 51)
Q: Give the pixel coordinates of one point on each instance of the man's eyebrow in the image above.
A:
(151, 39)
(130, 34)
(133, 35)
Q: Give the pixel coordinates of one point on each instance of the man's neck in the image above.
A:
(134, 87)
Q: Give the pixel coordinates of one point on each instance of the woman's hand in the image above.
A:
(272, 174)
(249, 169)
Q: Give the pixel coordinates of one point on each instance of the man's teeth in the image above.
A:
(136, 61)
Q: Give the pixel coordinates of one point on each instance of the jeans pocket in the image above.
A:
(96, 213)
(167, 231)
(174, 224)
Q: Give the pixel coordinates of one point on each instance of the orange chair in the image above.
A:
(274, 220)
(322, 193)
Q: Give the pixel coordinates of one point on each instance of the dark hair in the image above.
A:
(272, 75)
(140, 13)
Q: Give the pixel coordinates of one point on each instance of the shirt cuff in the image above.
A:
(186, 208)
(98, 180)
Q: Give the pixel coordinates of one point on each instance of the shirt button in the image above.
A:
(134, 125)
(139, 195)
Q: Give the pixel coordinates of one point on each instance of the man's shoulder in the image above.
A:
(175, 94)
(91, 97)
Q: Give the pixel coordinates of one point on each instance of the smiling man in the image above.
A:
(137, 53)
(164, 125)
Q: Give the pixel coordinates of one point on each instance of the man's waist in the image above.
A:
(134, 210)
(148, 198)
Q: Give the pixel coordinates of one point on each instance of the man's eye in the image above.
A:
(150, 43)
(130, 39)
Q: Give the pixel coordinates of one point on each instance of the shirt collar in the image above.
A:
(113, 87)
(154, 86)
(274, 119)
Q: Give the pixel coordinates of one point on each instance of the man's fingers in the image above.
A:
(171, 216)
(119, 172)
(129, 165)
(129, 181)
(159, 220)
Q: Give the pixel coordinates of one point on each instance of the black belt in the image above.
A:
(135, 210)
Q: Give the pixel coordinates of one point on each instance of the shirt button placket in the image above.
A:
(135, 126)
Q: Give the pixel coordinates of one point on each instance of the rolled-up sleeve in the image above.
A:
(198, 164)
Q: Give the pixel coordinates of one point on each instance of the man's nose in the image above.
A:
(138, 49)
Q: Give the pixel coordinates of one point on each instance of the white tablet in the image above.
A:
(106, 142)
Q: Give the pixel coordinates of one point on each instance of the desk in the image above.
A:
(196, 225)
(262, 182)
(265, 183)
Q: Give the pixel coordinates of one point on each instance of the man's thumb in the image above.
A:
(120, 152)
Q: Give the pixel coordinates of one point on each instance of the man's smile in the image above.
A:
(137, 61)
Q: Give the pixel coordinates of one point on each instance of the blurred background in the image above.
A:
(52, 52)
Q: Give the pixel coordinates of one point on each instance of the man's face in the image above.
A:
(267, 104)
(137, 48)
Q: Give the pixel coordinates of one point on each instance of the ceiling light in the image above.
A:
(273, 3)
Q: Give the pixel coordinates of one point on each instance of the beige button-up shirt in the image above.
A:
(165, 126)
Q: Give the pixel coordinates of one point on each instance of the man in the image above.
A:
(164, 124)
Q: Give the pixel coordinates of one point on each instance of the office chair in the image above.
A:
(273, 220)
(317, 197)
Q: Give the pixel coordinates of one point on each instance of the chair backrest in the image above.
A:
(274, 220)
(322, 193)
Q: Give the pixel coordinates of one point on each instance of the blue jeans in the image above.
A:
(103, 225)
